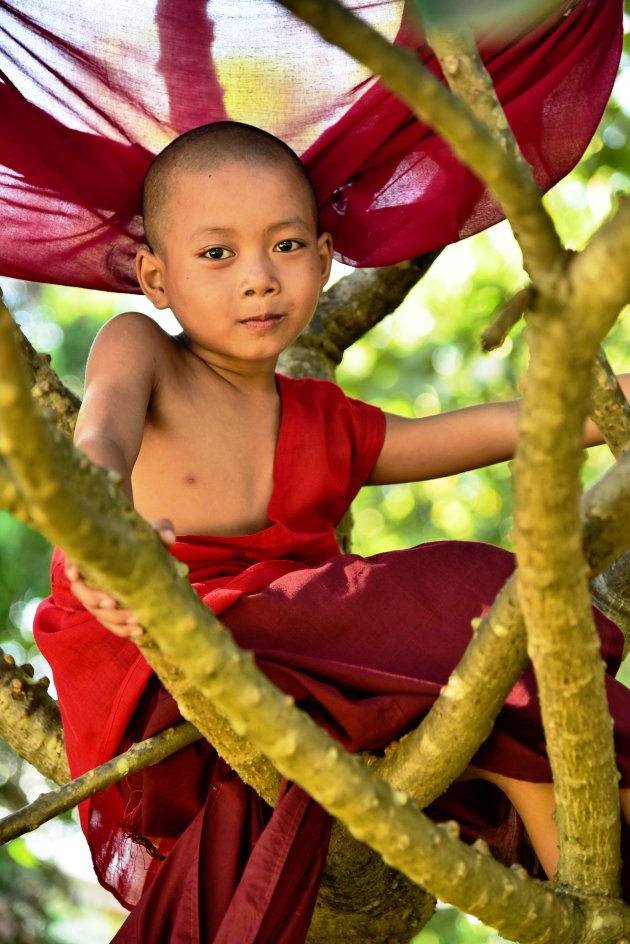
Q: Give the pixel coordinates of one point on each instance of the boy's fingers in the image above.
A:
(72, 571)
(92, 599)
(165, 530)
(123, 631)
(118, 618)
(97, 602)
(103, 607)
(120, 622)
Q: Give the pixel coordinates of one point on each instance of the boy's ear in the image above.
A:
(149, 270)
(325, 246)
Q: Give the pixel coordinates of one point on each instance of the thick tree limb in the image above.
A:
(511, 183)
(606, 253)
(144, 577)
(46, 386)
(350, 906)
(30, 720)
(562, 641)
(468, 77)
(347, 311)
(552, 589)
(139, 756)
(455, 46)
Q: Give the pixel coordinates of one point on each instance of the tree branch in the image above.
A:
(454, 44)
(410, 907)
(599, 297)
(139, 756)
(610, 411)
(46, 386)
(30, 720)
(505, 318)
(552, 589)
(562, 641)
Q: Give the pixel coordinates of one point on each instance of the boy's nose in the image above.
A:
(260, 280)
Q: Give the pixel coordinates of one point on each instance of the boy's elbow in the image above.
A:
(108, 454)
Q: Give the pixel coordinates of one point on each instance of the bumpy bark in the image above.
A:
(30, 720)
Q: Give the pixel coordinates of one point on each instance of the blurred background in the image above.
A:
(423, 359)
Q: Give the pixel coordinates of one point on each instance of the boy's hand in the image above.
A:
(103, 606)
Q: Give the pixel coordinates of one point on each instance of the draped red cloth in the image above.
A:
(90, 92)
(363, 645)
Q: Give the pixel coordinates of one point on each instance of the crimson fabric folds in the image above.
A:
(90, 92)
(363, 645)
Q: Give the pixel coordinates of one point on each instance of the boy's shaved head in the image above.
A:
(204, 148)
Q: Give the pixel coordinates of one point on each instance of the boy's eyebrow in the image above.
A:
(230, 230)
(293, 221)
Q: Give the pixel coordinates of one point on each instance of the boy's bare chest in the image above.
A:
(206, 464)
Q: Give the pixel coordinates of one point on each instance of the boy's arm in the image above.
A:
(119, 381)
(434, 446)
(120, 378)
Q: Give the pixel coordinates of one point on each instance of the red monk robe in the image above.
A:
(364, 645)
(89, 93)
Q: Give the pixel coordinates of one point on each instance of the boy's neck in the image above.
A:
(247, 377)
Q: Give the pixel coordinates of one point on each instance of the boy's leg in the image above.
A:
(535, 804)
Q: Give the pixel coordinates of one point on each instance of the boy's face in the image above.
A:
(241, 264)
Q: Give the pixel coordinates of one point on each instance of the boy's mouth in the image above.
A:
(262, 322)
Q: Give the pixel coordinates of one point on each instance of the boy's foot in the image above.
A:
(611, 593)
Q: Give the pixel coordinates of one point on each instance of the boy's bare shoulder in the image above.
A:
(131, 340)
(133, 328)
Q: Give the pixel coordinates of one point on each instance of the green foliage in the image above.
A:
(27, 887)
(450, 927)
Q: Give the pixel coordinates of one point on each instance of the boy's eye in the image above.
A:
(218, 252)
(288, 245)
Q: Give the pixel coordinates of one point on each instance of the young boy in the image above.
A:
(253, 471)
